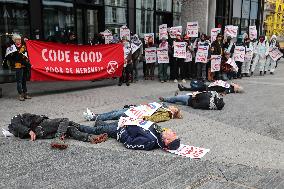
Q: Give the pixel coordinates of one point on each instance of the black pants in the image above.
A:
(179, 68)
(126, 74)
(135, 70)
(150, 70)
(239, 64)
(190, 69)
(21, 78)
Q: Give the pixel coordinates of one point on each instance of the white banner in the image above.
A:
(146, 37)
(174, 30)
(136, 43)
(216, 63)
(252, 32)
(143, 110)
(192, 29)
(150, 55)
(202, 54)
(190, 151)
(275, 54)
(162, 55)
(163, 31)
(239, 53)
(231, 31)
(220, 83)
(124, 32)
(188, 56)
(180, 49)
(214, 33)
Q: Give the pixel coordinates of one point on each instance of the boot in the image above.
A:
(26, 96)
(180, 87)
(260, 73)
(264, 72)
(247, 75)
(21, 97)
(251, 74)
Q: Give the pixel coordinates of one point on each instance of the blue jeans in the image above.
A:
(113, 115)
(21, 78)
(103, 127)
(183, 99)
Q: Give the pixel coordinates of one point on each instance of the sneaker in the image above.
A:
(180, 87)
(272, 73)
(21, 97)
(26, 96)
(161, 99)
(88, 115)
(264, 72)
(183, 81)
(119, 84)
(98, 139)
(176, 93)
(175, 81)
(127, 84)
(162, 81)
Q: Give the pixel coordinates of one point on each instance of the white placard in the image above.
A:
(124, 32)
(231, 31)
(139, 112)
(190, 151)
(231, 62)
(252, 32)
(274, 53)
(214, 33)
(188, 56)
(163, 31)
(216, 63)
(220, 83)
(174, 30)
(108, 36)
(202, 54)
(192, 29)
(146, 37)
(150, 55)
(128, 121)
(136, 43)
(180, 49)
(163, 55)
(10, 50)
(249, 54)
(239, 53)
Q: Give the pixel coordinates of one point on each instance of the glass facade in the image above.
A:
(144, 17)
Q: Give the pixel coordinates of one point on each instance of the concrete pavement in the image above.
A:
(245, 139)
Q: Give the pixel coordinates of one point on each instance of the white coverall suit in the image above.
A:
(248, 58)
(270, 63)
(261, 51)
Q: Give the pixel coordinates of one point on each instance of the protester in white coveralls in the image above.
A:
(261, 51)
(248, 57)
(270, 63)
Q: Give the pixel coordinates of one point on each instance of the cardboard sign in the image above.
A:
(274, 53)
(252, 32)
(214, 33)
(10, 50)
(134, 122)
(124, 32)
(249, 54)
(216, 63)
(190, 151)
(239, 53)
(163, 55)
(231, 62)
(143, 110)
(180, 49)
(202, 54)
(136, 43)
(192, 29)
(146, 37)
(188, 56)
(174, 30)
(150, 55)
(231, 31)
(108, 36)
(163, 31)
(220, 83)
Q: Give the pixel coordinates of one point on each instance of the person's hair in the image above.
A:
(239, 89)
(178, 114)
(174, 145)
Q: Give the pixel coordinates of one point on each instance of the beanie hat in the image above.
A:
(174, 145)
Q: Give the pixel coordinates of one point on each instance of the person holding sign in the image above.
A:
(210, 100)
(127, 67)
(261, 51)
(17, 54)
(150, 67)
(248, 57)
(179, 54)
(201, 57)
(189, 64)
(136, 134)
(163, 60)
(227, 69)
(239, 54)
(217, 50)
(270, 63)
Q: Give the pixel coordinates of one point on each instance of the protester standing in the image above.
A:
(189, 63)
(150, 67)
(201, 66)
(179, 65)
(217, 50)
(270, 63)
(248, 57)
(261, 51)
(239, 63)
(163, 67)
(127, 67)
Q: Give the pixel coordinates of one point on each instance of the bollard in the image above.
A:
(0, 92)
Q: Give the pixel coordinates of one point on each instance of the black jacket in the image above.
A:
(208, 101)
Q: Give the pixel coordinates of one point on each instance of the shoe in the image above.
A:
(251, 74)
(21, 97)
(175, 81)
(88, 115)
(260, 73)
(264, 72)
(271, 73)
(247, 75)
(152, 78)
(58, 144)
(180, 87)
(162, 81)
(183, 81)
(127, 84)
(26, 96)
(119, 84)
(176, 93)
(98, 139)
(161, 99)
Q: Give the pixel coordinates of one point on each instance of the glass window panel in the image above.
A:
(177, 6)
(246, 9)
(119, 3)
(164, 5)
(115, 17)
(177, 19)
(253, 10)
(145, 4)
(237, 8)
(14, 1)
(64, 3)
(80, 26)
(90, 2)
(144, 22)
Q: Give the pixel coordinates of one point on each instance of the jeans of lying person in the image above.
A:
(182, 99)
(113, 115)
(103, 127)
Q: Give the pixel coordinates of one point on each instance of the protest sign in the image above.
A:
(239, 53)
(180, 49)
(190, 151)
(220, 83)
(163, 31)
(214, 33)
(136, 43)
(192, 29)
(124, 32)
(188, 56)
(174, 30)
(150, 55)
(216, 63)
(231, 31)
(108, 36)
(139, 112)
(134, 122)
(252, 32)
(202, 54)
(274, 53)
(10, 50)
(231, 62)
(162, 55)
(249, 54)
(56, 61)
(146, 37)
